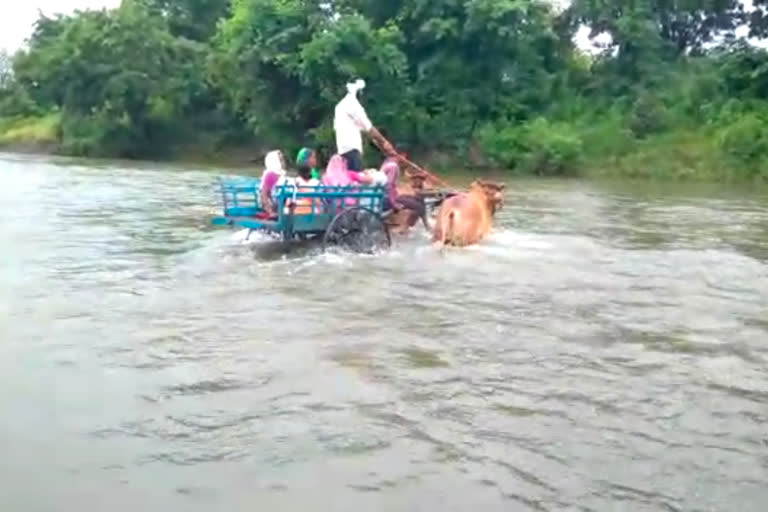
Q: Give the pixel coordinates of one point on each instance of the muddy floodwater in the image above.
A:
(604, 349)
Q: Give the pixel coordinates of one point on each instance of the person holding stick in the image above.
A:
(349, 122)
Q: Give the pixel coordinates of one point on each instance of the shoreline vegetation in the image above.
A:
(683, 156)
(496, 85)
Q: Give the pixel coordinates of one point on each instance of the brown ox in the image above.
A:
(466, 219)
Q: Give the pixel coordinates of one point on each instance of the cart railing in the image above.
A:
(302, 208)
(240, 196)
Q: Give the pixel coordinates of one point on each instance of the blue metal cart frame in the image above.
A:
(350, 217)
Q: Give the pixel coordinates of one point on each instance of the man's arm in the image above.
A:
(361, 118)
(381, 141)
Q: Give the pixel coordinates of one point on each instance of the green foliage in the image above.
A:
(679, 155)
(647, 116)
(121, 80)
(537, 147)
(680, 27)
(255, 62)
(499, 81)
(474, 61)
(745, 142)
(192, 19)
(16, 101)
(282, 67)
(606, 136)
(744, 70)
(33, 131)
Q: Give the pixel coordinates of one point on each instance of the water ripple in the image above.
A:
(603, 349)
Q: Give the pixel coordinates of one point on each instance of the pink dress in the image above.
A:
(337, 175)
(391, 169)
(268, 180)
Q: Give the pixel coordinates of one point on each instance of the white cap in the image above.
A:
(357, 85)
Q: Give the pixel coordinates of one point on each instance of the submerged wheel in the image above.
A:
(358, 230)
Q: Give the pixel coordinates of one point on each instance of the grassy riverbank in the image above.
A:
(42, 135)
(594, 150)
(684, 155)
(30, 134)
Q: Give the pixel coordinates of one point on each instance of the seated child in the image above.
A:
(396, 201)
(306, 164)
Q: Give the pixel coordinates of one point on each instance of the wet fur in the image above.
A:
(466, 219)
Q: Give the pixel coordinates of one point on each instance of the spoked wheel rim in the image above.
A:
(357, 230)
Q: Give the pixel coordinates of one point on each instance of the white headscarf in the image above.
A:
(354, 87)
(273, 162)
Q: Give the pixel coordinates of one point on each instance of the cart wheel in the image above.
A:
(358, 230)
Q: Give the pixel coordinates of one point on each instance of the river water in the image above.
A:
(605, 349)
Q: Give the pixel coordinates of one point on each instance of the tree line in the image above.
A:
(675, 91)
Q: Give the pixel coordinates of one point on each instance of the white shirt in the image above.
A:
(349, 121)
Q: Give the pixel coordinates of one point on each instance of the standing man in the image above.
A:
(349, 121)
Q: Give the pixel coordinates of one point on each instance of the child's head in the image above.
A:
(306, 160)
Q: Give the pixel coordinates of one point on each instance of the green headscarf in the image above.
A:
(301, 159)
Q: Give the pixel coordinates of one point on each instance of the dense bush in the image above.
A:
(479, 80)
(535, 147)
(648, 116)
(745, 142)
